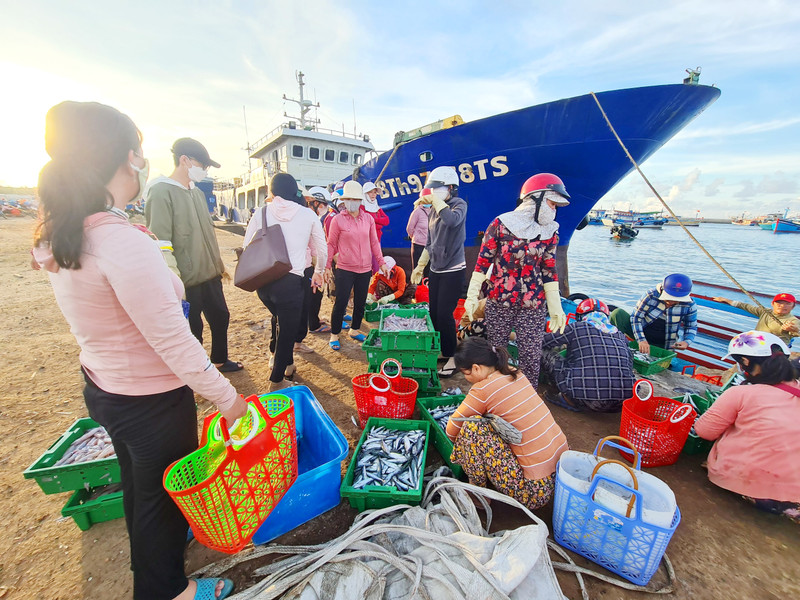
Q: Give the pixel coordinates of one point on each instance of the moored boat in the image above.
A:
(786, 226)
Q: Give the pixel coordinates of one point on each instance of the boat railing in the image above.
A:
(262, 141)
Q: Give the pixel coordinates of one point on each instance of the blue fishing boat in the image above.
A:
(786, 226)
(495, 155)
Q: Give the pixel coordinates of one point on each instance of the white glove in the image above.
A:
(371, 299)
(438, 203)
(558, 320)
(386, 299)
(473, 291)
(416, 274)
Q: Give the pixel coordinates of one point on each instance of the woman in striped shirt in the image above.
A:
(524, 471)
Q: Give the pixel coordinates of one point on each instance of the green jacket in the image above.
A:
(768, 321)
(180, 216)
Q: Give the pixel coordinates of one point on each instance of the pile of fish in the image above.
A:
(105, 490)
(396, 323)
(389, 457)
(441, 414)
(92, 445)
(645, 357)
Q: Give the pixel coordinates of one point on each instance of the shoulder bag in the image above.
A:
(264, 260)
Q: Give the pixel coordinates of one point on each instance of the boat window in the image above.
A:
(344, 157)
(297, 151)
(426, 156)
(330, 155)
(356, 159)
(313, 153)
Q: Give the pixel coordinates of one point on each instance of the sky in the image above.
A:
(196, 68)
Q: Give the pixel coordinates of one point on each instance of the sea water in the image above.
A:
(619, 272)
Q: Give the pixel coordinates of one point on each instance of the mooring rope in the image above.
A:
(674, 216)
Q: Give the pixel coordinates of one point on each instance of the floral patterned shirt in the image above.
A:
(521, 266)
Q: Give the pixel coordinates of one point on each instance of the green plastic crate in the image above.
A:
(427, 379)
(652, 368)
(441, 442)
(697, 445)
(383, 496)
(373, 310)
(419, 359)
(86, 513)
(68, 478)
(407, 340)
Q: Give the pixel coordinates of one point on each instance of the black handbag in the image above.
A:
(264, 260)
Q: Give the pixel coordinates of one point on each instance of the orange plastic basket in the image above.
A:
(228, 486)
(384, 396)
(657, 426)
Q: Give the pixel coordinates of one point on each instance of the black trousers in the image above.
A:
(150, 433)
(345, 282)
(445, 289)
(208, 300)
(313, 310)
(283, 298)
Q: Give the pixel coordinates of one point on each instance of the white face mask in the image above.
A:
(547, 214)
(143, 174)
(442, 193)
(352, 205)
(197, 174)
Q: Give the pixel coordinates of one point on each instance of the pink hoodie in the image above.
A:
(123, 307)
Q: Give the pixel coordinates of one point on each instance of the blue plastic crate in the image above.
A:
(624, 545)
(321, 448)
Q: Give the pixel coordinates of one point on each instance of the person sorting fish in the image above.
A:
(524, 467)
(779, 321)
(392, 287)
(597, 372)
(756, 426)
(666, 316)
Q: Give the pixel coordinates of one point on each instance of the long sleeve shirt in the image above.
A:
(446, 235)
(301, 230)
(124, 308)
(520, 267)
(417, 227)
(680, 319)
(757, 428)
(355, 241)
(381, 220)
(517, 402)
(769, 321)
(396, 281)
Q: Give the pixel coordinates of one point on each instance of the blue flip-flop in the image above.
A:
(348, 318)
(335, 345)
(359, 338)
(207, 587)
(345, 325)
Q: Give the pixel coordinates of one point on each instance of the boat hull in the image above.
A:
(495, 155)
(785, 226)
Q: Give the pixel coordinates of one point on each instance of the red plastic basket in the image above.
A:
(422, 293)
(655, 425)
(227, 488)
(384, 396)
(459, 312)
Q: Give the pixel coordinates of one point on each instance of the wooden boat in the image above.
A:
(786, 226)
(623, 232)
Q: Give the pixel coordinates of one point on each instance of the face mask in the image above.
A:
(143, 173)
(442, 193)
(547, 214)
(321, 210)
(197, 174)
(352, 205)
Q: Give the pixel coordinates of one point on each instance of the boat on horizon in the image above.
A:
(786, 226)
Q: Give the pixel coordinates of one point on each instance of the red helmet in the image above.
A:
(542, 183)
(591, 305)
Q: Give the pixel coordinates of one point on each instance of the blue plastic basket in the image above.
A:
(624, 545)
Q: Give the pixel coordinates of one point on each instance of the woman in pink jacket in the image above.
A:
(417, 229)
(756, 426)
(353, 242)
(139, 359)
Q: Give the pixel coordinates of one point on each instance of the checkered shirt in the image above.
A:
(681, 318)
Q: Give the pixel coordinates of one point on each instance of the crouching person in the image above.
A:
(597, 372)
(525, 469)
(392, 287)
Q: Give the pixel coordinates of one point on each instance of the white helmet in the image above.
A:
(755, 343)
(352, 190)
(441, 176)
(320, 193)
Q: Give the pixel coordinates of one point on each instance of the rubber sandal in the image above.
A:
(335, 345)
(207, 586)
(345, 326)
(558, 400)
(324, 328)
(348, 318)
(229, 367)
(447, 372)
(359, 338)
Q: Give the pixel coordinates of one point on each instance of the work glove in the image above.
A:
(421, 202)
(386, 299)
(473, 291)
(371, 299)
(416, 274)
(558, 320)
(437, 203)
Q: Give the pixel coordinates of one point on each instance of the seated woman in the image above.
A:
(757, 427)
(524, 471)
(392, 287)
(597, 373)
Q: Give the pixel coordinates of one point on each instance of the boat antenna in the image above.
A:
(247, 138)
(354, 117)
(305, 106)
(674, 216)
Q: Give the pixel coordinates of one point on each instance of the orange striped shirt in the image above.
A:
(518, 403)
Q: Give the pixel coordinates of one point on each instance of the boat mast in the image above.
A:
(305, 106)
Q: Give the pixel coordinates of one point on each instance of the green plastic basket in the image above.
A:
(86, 512)
(383, 496)
(407, 340)
(373, 310)
(654, 367)
(441, 442)
(694, 443)
(68, 478)
(427, 379)
(419, 359)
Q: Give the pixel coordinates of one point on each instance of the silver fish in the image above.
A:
(442, 414)
(390, 457)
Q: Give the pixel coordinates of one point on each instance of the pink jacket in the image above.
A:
(417, 226)
(381, 220)
(757, 428)
(124, 308)
(355, 241)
